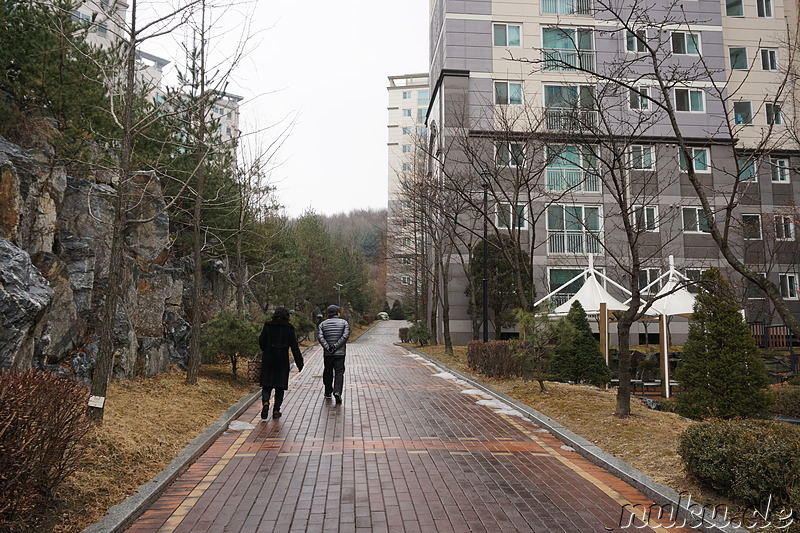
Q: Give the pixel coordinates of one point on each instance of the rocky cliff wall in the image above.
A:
(55, 242)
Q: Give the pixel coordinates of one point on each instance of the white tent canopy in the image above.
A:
(591, 295)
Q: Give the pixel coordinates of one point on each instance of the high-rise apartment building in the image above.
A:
(589, 125)
(408, 105)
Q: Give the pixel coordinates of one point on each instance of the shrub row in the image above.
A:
(42, 424)
(745, 459)
(494, 359)
(785, 401)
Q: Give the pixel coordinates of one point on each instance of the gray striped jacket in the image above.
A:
(332, 334)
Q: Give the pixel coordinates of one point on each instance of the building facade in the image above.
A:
(589, 127)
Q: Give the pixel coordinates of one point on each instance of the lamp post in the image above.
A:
(338, 288)
(485, 175)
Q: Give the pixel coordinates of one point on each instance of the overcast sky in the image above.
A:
(325, 64)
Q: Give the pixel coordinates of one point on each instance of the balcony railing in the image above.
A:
(560, 298)
(573, 242)
(568, 59)
(560, 118)
(560, 179)
(567, 7)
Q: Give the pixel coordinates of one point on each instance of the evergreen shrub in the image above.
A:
(745, 459)
(42, 426)
(577, 356)
(397, 312)
(785, 401)
(419, 332)
(794, 380)
(232, 334)
(403, 333)
(304, 327)
(494, 359)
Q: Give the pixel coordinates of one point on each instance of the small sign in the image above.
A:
(97, 401)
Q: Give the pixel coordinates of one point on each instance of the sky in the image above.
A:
(321, 68)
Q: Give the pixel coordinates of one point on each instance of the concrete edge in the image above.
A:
(662, 495)
(122, 515)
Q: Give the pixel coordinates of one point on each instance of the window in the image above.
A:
(642, 157)
(639, 98)
(572, 168)
(408, 241)
(636, 41)
(421, 112)
(569, 107)
(406, 112)
(509, 154)
(507, 35)
(567, 7)
(573, 229)
(774, 114)
(769, 59)
(406, 95)
(764, 8)
(422, 131)
(567, 49)
(510, 216)
(694, 220)
(405, 261)
(747, 169)
(685, 43)
(645, 217)
(734, 8)
(648, 276)
(753, 291)
(406, 131)
(406, 148)
(692, 100)
(779, 169)
(694, 276)
(738, 58)
(751, 227)
(558, 277)
(507, 93)
(743, 113)
(406, 167)
(700, 160)
(784, 228)
(405, 280)
(423, 98)
(788, 283)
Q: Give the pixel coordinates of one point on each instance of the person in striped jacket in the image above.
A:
(332, 335)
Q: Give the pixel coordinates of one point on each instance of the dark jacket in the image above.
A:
(333, 334)
(275, 341)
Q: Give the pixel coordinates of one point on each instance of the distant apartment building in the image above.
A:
(408, 105)
(538, 96)
(104, 18)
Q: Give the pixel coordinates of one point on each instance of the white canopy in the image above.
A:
(591, 295)
(672, 301)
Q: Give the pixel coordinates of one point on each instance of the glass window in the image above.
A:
(642, 157)
(700, 160)
(747, 169)
(685, 43)
(751, 227)
(507, 93)
(648, 276)
(423, 98)
(509, 154)
(572, 168)
(779, 169)
(774, 115)
(788, 284)
(689, 100)
(694, 276)
(406, 280)
(636, 41)
(573, 229)
(753, 291)
(511, 216)
(507, 35)
(743, 113)
(567, 7)
(406, 95)
(734, 8)
(769, 59)
(764, 8)
(406, 148)
(406, 131)
(406, 167)
(638, 98)
(406, 112)
(738, 58)
(559, 276)
(784, 228)
(694, 220)
(645, 217)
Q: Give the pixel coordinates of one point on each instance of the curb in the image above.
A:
(663, 496)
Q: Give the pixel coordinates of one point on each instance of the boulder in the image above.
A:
(153, 357)
(59, 327)
(87, 213)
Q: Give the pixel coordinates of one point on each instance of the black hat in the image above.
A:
(332, 310)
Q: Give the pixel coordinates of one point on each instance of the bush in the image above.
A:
(232, 334)
(362, 322)
(303, 326)
(669, 405)
(397, 312)
(369, 318)
(42, 426)
(419, 332)
(577, 356)
(785, 401)
(745, 459)
(494, 359)
(403, 332)
(794, 380)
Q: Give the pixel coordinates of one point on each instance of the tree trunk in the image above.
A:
(448, 340)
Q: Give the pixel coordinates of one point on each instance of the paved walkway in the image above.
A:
(411, 449)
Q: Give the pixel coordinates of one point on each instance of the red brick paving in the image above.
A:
(405, 452)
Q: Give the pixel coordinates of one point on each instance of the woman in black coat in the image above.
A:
(276, 339)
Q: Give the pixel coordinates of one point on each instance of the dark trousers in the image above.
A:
(333, 374)
(266, 392)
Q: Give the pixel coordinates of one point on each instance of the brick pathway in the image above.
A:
(409, 450)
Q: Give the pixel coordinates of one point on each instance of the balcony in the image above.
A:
(573, 242)
(560, 118)
(561, 179)
(567, 7)
(566, 59)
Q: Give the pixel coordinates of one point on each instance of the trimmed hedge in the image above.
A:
(494, 359)
(745, 459)
(785, 401)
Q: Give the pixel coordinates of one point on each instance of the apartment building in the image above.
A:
(104, 18)
(408, 99)
(570, 111)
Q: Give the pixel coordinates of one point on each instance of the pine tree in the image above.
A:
(721, 373)
(577, 355)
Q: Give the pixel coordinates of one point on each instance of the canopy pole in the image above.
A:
(662, 326)
(604, 331)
